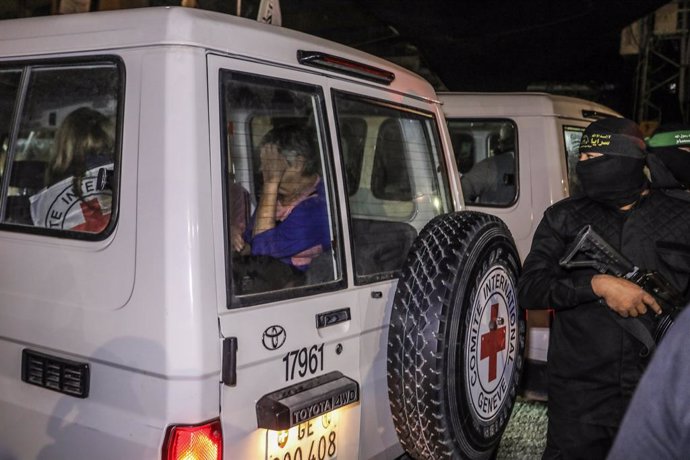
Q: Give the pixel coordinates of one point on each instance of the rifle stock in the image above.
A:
(603, 257)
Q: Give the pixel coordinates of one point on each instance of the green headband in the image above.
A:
(669, 139)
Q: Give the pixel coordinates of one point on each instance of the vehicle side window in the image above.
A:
(394, 181)
(487, 157)
(571, 139)
(279, 191)
(61, 148)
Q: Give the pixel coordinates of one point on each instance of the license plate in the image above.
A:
(316, 439)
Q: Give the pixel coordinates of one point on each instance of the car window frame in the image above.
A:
(444, 186)
(518, 188)
(333, 193)
(19, 105)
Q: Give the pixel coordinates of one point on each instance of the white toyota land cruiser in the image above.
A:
(129, 328)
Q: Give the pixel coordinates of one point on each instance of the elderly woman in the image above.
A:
(291, 220)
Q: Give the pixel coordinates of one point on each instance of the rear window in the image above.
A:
(571, 139)
(59, 125)
(395, 180)
(281, 216)
(487, 157)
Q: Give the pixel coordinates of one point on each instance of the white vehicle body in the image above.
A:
(547, 131)
(146, 305)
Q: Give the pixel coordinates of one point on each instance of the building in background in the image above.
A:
(661, 42)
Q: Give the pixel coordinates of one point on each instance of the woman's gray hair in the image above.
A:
(294, 140)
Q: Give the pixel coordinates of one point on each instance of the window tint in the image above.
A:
(571, 138)
(61, 150)
(280, 214)
(394, 179)
(353, 132)
(486, 154)
(390, 179)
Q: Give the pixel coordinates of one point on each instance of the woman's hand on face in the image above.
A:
(273, 163)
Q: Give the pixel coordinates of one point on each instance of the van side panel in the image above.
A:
(175, 252)
(151, 344)
(117, 420)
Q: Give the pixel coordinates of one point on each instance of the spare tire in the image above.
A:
(456, 338)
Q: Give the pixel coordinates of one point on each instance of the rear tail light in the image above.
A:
(194, 442)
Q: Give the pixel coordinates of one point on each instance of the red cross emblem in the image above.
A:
(94, 220)
(493, 342)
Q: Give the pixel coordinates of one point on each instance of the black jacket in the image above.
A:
(663, 178)
(593, 364)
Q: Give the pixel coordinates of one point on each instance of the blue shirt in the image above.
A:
(300, 237)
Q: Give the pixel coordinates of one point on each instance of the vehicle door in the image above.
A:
(280, 325)
(395, 182)
(554, 151)
(555, 169)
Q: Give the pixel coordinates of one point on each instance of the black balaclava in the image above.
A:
(616, 178)
(668, 144)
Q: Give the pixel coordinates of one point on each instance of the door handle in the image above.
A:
(330, 318)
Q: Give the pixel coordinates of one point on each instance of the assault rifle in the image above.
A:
(603, 257)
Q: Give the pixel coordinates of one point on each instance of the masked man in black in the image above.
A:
(669, 160)
(593, 363)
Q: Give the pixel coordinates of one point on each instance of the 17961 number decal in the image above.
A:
(303, 361)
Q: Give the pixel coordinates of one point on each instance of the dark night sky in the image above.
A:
(492, 45)
(553, 38)
(487, 45)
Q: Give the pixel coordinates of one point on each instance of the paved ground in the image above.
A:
(525, 435)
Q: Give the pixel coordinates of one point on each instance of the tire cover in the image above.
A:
(456, 338)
